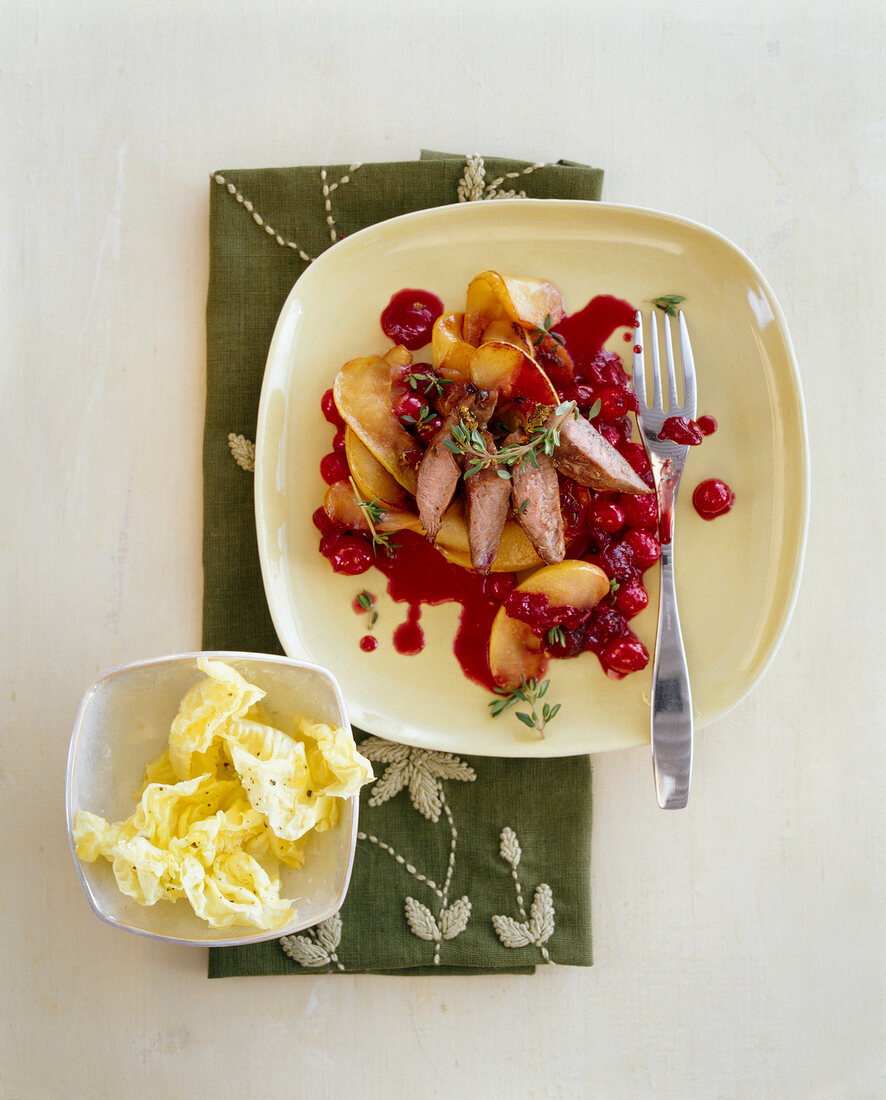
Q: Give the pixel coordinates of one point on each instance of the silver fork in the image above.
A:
(671, 721)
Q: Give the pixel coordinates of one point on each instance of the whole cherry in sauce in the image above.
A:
(409, 317)
(713, 498)
(334, 467)
(330, 409)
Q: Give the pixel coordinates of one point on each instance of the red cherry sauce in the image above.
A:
(713, 498)
(368, 643)
(409, 317)
(602, 630)
(417, 574)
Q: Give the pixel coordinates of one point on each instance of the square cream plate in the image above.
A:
(737, 576)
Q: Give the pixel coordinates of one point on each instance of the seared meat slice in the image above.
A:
(585, 456)
(487, 499)
(477, 410)
(440, 469)
(438, 475)
(466, 398)
(450, 396)
(535, 496)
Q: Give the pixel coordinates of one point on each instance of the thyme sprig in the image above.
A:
(471, 443)
(529, 691)
(372, 513)
(543, 332)
(432, 383)
(426, 415)
(556, 636)
(668, 303)
(367, 601)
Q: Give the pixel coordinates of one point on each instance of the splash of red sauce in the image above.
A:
(368, 643)
(586, 331)
(409, 317)
(418, 574)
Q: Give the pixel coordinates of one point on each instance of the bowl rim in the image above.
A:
(259, 936)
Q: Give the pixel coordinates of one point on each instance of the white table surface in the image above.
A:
(739, 944)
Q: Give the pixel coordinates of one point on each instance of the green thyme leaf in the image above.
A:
(372, 513)
(529, 691)
(668, 303)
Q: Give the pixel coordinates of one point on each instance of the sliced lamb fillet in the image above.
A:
(586, 457)
(535, 496)
(487, 500)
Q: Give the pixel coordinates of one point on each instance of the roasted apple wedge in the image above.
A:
(534, 303)
(451, 352)
(372, 479)
(515, 552)
(342, 504)
(512, 372)
(362, 392)
(515, 649)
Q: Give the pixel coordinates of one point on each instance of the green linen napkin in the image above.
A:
(464, 865)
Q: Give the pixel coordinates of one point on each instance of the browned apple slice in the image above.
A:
(362, 392)
(373, 480)
(515, 552)
(452, 354)
(509, 332)
(515, 651)
(340, 503)
(493, 297)
(507, 368)
(398, 357)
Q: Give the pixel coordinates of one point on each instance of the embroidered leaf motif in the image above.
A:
(329, 933)
(510, 850)
(305, 951)
(454, 919)
(421, 920)
(539, 926)
(424, 790)
(418, 769)
(511, 933)
(390, 783)
(242, 450)
(541, 915)
(386, 752)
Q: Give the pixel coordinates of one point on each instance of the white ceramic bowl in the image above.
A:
(123, 723)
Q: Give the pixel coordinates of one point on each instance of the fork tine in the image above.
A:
(638, 377)
(656, 365)
(673, 403)
(688, 367)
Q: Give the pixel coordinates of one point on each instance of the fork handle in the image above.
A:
(671, 698)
